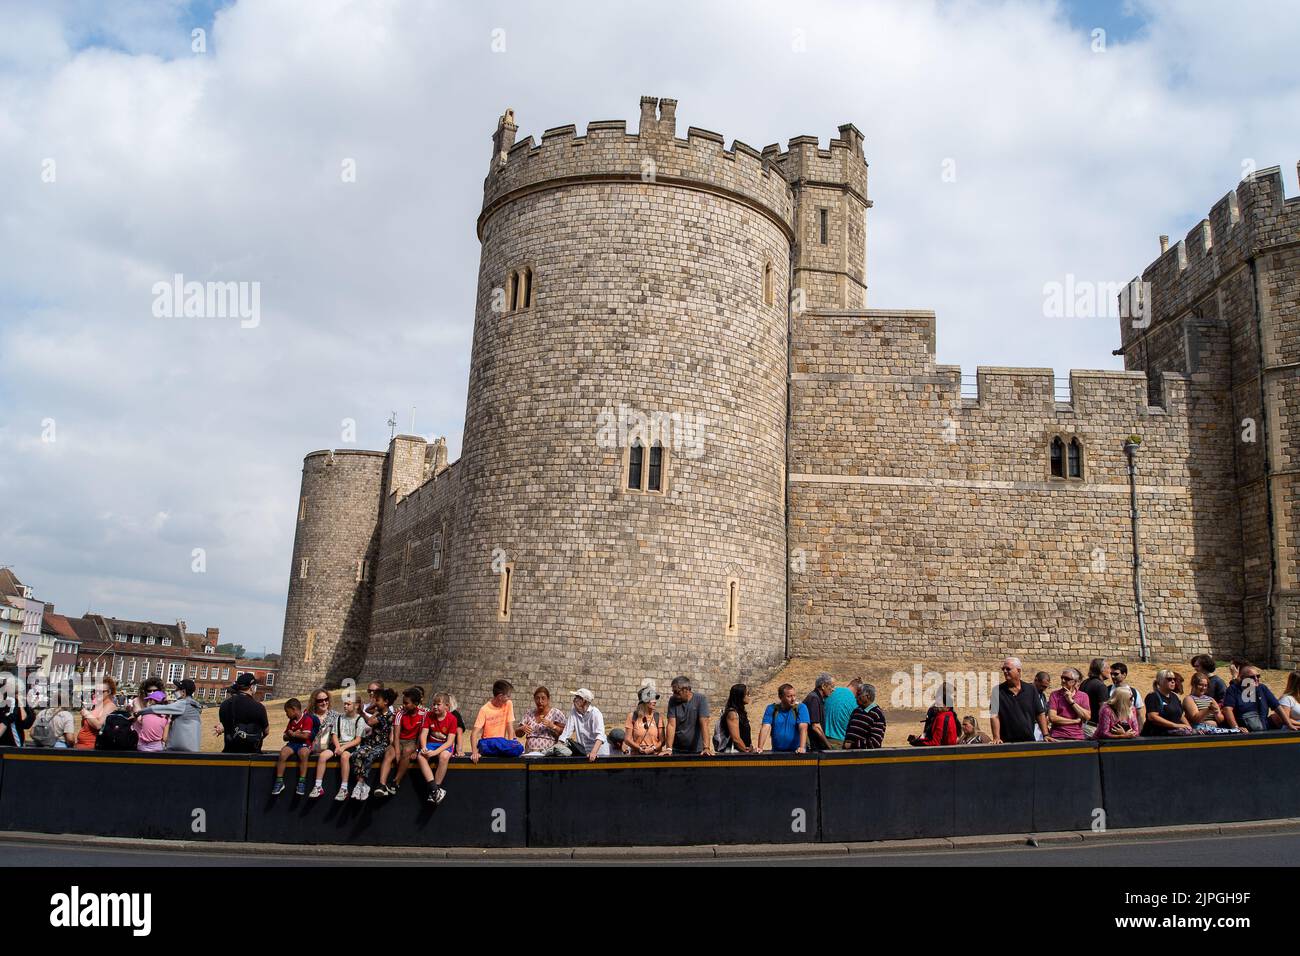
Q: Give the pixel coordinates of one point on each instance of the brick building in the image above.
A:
(133, 650)
(666, 470)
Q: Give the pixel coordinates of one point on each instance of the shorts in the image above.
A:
(297, 745)
(408, 747)
(429, 749)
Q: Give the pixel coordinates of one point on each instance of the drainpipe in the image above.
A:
(1269, 615)
(1130, 452)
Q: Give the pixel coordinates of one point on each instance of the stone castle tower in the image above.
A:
(690, 447)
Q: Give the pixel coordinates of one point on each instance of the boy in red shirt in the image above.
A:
(298, 736)
(437, 744)
(406, 739)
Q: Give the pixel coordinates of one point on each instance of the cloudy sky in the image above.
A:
(126, 157)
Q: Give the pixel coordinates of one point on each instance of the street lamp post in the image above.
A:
(1130, 452)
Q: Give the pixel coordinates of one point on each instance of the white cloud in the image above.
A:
(179, 434)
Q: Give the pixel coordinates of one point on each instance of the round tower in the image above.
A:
(327, 615)
(623, 473)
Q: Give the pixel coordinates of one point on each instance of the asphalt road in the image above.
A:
(1255, 849)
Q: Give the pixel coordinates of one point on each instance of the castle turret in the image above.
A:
(621, 510)
(327, 616)
(830, 191)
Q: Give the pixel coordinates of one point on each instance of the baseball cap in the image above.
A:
(245, 680)
(585, 694)
(186, 685)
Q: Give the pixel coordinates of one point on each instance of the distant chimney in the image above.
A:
(212, 636)
(49, 608)
(1164, 244)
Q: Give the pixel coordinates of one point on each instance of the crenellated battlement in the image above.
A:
(653, 154)
(805, 161)
(1245, 222)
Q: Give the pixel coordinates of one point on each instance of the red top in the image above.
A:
(411, 724)
(440, 730)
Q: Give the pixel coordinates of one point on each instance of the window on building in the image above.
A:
(1074, 459)
(135, 638)
(302, 508)
(733, 605)
(512, 292)
(311, 644)
(225, 671)
(823, 221)
(437, 551)
(527, 297)
(151, 640)
(406, 556)
(175, 672)
(654, 480)
(209, 649)
(270, 679)
(117, 670)
(768, 292)
(363, 570)
(302, 569)
(167, 642)
(203, 673)
(121, 638)
(144, 669)
(1058, 457)
(503, 602)
(635, 465)
(131, 672)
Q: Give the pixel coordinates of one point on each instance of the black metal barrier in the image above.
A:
(673, 801)
(665, 801)
(958, 791)
(486, 806)
(1217, 779)
(156, 796)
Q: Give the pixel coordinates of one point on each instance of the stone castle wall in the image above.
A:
(823, 464)
(928, 525)
(327, 613)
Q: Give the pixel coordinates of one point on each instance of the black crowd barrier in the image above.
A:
(958, 791)
(156, 796)
(1186, 780)
(486, 805)
(668, 801)
(664, 801)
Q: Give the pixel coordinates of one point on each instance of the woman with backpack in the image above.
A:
(644, 732)
(54, 728)
(15, 721)
(103, 702)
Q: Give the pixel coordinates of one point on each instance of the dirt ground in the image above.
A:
(896, 681)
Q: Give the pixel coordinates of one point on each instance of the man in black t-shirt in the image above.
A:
(1017, 708)
(1095, 687)
(243, 718)
(816, 704)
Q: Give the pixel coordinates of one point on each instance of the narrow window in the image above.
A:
(1076, 459)
(503, 606)
(363, 570)
(767, 283)
(512, 292)
(437, 552)
(311, 646)
(270, 678)
(302, 570)
(654, 481)
(528, 288)
(824, 217)
(635, 464)
(406, 558)
(302, 508)
(733, 604)
(1058, 457)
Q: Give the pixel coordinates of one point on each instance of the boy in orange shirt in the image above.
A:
(494, 728)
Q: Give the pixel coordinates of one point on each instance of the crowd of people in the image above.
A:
(388, 734)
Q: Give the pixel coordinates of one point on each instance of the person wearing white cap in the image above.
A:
(584, 732)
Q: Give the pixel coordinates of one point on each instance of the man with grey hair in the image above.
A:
(839, 708)
(866, 729)
(1017, 708)
(816, 704)
(688, 721)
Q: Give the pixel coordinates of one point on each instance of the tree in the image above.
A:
(236, 649)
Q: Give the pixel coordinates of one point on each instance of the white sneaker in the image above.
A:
(342, 794)
(362, 791)
(439, 796)
(316, 791)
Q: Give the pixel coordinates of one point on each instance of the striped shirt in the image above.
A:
(866, 730)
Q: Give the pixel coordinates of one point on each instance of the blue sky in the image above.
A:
(174, 435)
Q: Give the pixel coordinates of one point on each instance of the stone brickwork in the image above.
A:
(825, 488)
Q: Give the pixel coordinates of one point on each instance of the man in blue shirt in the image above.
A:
(839, 707)
(1248, 704)
(785, 725)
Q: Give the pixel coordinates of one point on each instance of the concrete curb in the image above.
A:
(684, 853)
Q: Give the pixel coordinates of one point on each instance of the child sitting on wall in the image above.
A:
(298, 735)
(494, 728)
(406, 738)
